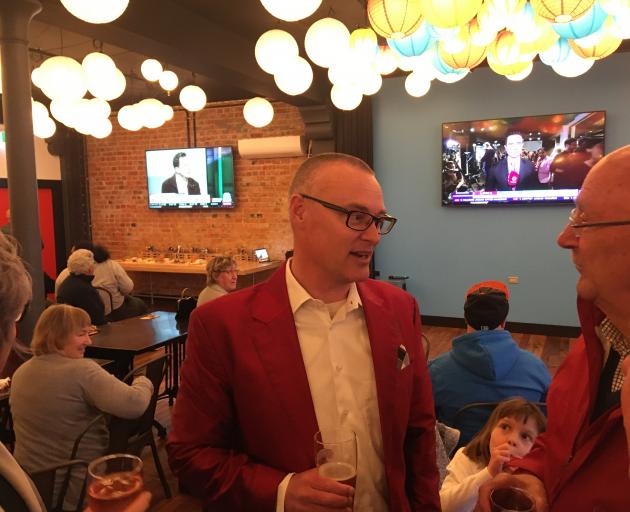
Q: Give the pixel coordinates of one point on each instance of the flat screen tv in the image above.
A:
(191, 178)
(519, 160)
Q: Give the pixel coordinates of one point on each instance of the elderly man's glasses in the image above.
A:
(577, 222)
(358, 220)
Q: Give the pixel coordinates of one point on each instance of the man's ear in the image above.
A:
(296, 208)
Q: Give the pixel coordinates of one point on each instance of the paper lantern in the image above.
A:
(440, 65)
(507, 68)
(573, 66)
(101, 129)
(150, 112)
(39, 110)
(606, 44)
(545, 38)
(470, 56)
(591, 21)
(258, 112)
(453, 76)
(128, 118)
(504, 8)
(63, 78)
(97, 64)
(168, 81)
(522, 75)
(44, 127)
(449, 13)
(386, 60)
(192, 98)
(167, 112)
(295, 77)
(417, 85)
(371, 83)
(274, 49)
(151, 70)
(481, 36)
(394, 18)
(99, 108)
(345, 97)
(36, 78)
(96, 11)
(561, 11)
(364, 44)
(557, 53)
(620, 25)
(291, 10)
(324, 40)
(108, 86)
(507, 51)
(414, 44)
(615, 7)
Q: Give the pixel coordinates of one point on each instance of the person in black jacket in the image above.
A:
(181, 181)
(77, 289)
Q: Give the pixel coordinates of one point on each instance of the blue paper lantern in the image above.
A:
(558, 53)
(414, 44)
(442, 66)
(591, 21)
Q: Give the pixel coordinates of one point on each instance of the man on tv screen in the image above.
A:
(181, 181)
(512, 172)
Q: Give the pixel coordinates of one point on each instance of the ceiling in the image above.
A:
(207, 42)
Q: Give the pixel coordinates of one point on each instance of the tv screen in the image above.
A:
(520, 160)
(191, 178)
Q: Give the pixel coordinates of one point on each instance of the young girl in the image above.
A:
(510, 432)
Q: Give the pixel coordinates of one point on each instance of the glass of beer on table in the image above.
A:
(336, 454)
(114, 482)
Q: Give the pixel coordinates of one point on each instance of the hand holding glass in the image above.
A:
(115, 482)
(511, 499)
(336, 455)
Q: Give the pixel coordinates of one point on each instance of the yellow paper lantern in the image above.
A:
(606, 45)
(505, 49)
(505, 8)
(450, 13)
(545, 40)
(561, 11)
(506, 69)
(470, 56)
(394, 19)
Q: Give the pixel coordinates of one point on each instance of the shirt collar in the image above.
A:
(299, 296)
(609, 335)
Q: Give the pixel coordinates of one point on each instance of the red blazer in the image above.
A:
(244, 417)
(583, 465)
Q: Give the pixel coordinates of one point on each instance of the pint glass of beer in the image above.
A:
(115, 481)
(336, 455)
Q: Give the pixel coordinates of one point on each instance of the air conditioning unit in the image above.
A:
(272, 147)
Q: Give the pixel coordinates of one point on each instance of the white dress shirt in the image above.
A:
(338, 359)
(182, 184)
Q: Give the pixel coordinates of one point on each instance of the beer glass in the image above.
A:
(114, 482)
(336, 455)
(511, 499)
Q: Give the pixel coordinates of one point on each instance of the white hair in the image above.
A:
(81, 261)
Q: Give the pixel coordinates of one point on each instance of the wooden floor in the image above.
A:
(551, 350)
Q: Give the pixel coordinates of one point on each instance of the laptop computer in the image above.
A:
(262, 255)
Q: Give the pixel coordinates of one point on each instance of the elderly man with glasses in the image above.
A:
(581, 462)
(318, 345)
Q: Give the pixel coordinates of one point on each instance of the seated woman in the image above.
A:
(57, 393)
(77, 289)
(110, 275)
(221, 279)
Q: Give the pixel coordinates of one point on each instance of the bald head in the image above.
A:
(305, 177)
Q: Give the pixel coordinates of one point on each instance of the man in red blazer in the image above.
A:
(581, 461)
(317, 345)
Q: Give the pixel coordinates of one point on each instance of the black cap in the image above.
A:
(486, 311)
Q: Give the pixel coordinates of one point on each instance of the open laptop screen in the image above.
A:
(261, 255)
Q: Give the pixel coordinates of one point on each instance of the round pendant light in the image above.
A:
(258, 112)
(274, 49)
(96, 11)
(192, 98)
(394, 19)
(168, 81)
(291, 10)
(324, 40)
(151, 70)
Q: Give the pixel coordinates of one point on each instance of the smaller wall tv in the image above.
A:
(191, 178)
(520, 160)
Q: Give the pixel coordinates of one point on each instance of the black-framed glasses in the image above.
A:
(576, 223)
(358, 220)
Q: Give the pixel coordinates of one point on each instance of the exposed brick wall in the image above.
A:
(122, 221)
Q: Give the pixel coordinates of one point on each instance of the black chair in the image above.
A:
(44, 480)
(106, 298)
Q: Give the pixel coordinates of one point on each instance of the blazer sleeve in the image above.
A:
(491, 179)
(203, 448)
(422, 480)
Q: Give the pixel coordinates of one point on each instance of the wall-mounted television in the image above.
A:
(191, 177)
(520, 160)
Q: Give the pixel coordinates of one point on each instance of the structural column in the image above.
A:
(15, 17)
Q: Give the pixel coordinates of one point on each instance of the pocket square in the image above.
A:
(403, 358)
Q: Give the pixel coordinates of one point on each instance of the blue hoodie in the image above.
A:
(484, 366)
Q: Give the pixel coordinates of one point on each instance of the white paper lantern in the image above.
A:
(62, 78)
(108, 87)
(274, 49)
(151, 70)
(128, 118)
(192, 98)
(39, 110)
(325, 39)
(101, 129)
(573, 66)
(167, 112)
(416, 84)
(62, 111)
(151, 112)
(364, 45)
(258, 112)
(451, 78)
(168, 80)
(386, 60)
(96, 11)
(44, 128)
(523, 74)
(100, 108)
(36, 78)
(291, 10)
(371, 83)
(346, 97)
(295, 78)
(97, 64)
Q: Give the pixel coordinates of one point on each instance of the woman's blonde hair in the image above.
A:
(217, 265)
(55, 326)
(478, 449)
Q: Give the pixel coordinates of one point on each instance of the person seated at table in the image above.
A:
(77, 289)
(82, 244)
(57, 393)
(222, 275)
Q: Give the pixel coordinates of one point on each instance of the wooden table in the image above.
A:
(122, 341)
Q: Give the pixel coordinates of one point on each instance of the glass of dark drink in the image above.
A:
(336, 455)
(114, 482)
(511, 499)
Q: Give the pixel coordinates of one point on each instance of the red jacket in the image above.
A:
(244, 417)
(583, 465)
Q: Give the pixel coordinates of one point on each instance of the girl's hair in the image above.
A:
(478, 449)
(217, 265)
(55, 326)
